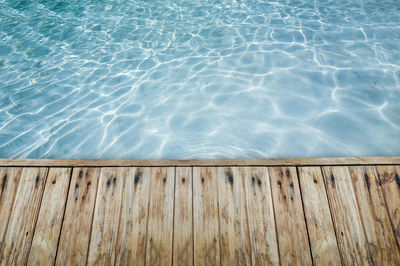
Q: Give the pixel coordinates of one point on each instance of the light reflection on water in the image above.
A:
(199, 79)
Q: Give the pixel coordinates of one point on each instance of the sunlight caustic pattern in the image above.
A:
(199, 79)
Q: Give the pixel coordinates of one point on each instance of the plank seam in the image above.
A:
(12, 207)
(273, 210)
(243, 186)
(333, 220)
(62, 220)
(148, 214)
(120, 214)
(359, 213)
(387, 208)
(219, 220)
(304, 215)
(37, 216)
(173, 218)
(192, 219)
(91, 224)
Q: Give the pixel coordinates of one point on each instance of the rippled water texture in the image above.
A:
(199, 79)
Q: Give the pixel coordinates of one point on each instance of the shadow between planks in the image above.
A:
(225, 215)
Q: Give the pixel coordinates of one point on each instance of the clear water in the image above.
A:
(199, 79)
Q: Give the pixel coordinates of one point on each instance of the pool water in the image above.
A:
(185, 79)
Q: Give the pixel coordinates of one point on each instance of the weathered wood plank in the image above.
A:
(48, 226)
(183, 217)
(18, 238)
(260, 213)
(160, 220)
(379, 233)
(131, 245)
(291, 228)
(223, 162)
(318, 218)
(346, 216)
(205, 217)
(389, 177)
(75, 232)
(102, 246)
(235, 243)
(9, 183)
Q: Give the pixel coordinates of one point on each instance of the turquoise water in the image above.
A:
(199, 79)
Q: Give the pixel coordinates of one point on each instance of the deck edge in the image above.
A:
(217, 162)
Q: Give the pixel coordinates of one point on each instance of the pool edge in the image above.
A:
(322, 161)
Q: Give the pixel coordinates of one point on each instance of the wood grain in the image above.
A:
(107, 210)
(76, 228)
(293, 243)
(131, 245)
(9, 183)
(235, 243)
(223, 162)
(18, 238)
(48, 226)
(160, 221)
(376, 221)
(318, 218)
(205, 217)
(183, 217)
(260, 213)
(346, 216)
(389, 177)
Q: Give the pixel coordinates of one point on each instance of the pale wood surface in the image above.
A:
(196, 215)
(131, 245)
(293, 243)
(161, 214)
(106, 216)
(48, 226)
(378, 230)
(183, 217)
(235, 242)
(21, 225)
(76, 229)
(205, 217)
(319, 223)
(346, 216)
(260, 215)
(390, 181)
(9, 183)
(219, 162)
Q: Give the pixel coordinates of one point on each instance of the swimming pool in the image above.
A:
(199, 79)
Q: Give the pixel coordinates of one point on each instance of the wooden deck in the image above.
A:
(230, 212)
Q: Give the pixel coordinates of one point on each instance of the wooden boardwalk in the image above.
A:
(246, 212)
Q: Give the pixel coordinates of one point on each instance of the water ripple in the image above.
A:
(199, 79)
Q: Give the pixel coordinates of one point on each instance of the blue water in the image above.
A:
(199, 79)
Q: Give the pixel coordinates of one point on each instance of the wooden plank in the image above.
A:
(379, 233)
(160, 221)
(260, 212)
(9, 183)
(107, 210)
(235, 243)
(131, 245)
(76, 228)
(18, 238)
(389, 177)
(321, 232)
(291, 228)
(48, 226)
(206, 235)
(183, 217)
(346, 216)
(223, 162)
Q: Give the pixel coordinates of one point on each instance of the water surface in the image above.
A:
(199, 79)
